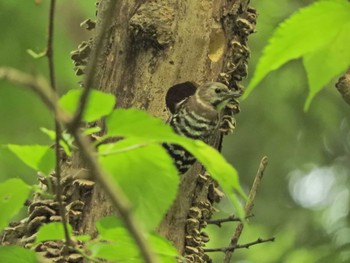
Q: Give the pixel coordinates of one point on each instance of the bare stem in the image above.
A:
(232, 248)
(120, 202)
(50, 58)
(49, 48)
(248, 208)
(72, 124)
(107, 15)
(219, 221)
(40, 86)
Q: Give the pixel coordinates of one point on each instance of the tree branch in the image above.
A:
(49, 47)
(93, 62)
(232, 248)
(219, 221)
(231, 218)
(40, 86)
(248, 208)
(118, 199)
(50, 58)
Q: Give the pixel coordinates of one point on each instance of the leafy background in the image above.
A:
(304, 198)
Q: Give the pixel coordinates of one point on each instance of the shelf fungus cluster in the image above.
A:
(45, 209)
(237, 28)
(81, 55)
(198, 215)
(238, 23)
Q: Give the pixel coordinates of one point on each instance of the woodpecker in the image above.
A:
(197, 117)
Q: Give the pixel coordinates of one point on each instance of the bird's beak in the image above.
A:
(234, 94)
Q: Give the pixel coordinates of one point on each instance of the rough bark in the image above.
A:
(343, 86)
(153, 45)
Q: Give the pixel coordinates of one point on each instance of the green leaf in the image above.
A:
(38, 157)
(99, 104)
(219, 169)
(68, 140)
(88, 131)
(162, 246)
(166, 259)
(106, 225)
(120, 245)
(115, 252)
(144, 129)
(50, 133)
(84, 238)
(137, 123)
(147, 176)
(52, 231)
(13, 194)
(117, 245)
(11, 254)
(324, 64)
(66, 147)
(310, 31)
(35, 55)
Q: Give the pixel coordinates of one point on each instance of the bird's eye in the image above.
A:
(217, 90)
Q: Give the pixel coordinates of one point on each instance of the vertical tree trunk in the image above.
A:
(151, 46)
(154, 45)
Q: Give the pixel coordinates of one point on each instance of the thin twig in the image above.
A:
(248, 208)
(50, 42)
(38, 84)
(115, 194)
(219, 221)
(232, 248)
(50, 58)
(107, 15)
(231, 218)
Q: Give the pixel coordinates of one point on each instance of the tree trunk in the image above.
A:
(151, 46)
(154, 45)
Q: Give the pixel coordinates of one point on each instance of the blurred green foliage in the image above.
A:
(304, 198)
(318, 33)
(13, 194)
(120, 241)
(11, 254)
(23, 27)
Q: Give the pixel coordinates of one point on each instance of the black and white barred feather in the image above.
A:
(197, 116)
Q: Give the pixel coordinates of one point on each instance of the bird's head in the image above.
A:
(216, 94)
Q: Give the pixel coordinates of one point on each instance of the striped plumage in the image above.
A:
(198, 117)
